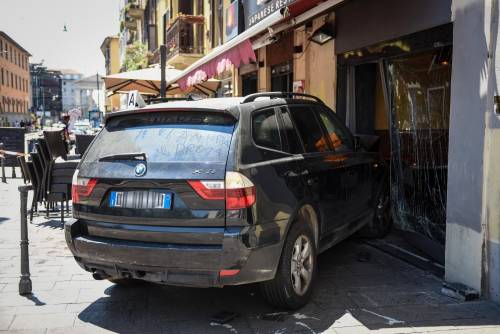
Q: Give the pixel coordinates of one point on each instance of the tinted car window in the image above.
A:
(294, 144)
(338, 134)
(309, 129)
(166, 137)
(265, 130)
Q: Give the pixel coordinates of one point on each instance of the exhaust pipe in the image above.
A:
(99, 275)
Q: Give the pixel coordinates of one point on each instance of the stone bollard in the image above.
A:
(25, 281)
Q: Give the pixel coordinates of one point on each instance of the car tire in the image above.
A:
(292, 286)
(381, 224)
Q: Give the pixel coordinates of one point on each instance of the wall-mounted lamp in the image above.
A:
(323, 34)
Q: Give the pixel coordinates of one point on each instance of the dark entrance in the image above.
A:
(249, 83)
(282, 77)
(400, 91)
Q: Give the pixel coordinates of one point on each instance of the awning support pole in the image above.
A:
(163, 65)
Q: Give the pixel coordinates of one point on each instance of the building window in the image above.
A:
(11, 80)
(1, 48)
(2, 77)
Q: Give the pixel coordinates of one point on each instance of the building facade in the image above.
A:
(14, 82)
(131, 25)
(425, 82)
(91, 96)
(70, 93)
(110, 48)
(46, 88)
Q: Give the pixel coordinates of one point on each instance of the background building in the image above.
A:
(46, 87)
(91, 90)
(131, 25)
(14, 82)
(110, 48)
(70, 93)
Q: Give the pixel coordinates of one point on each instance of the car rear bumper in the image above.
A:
(251, 252)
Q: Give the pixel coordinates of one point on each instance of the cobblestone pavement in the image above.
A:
(383, 295)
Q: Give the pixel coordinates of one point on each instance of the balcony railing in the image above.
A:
(130, 23)
(134, 9)
(185, 36)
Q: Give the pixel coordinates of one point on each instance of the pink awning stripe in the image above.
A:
(241, 54)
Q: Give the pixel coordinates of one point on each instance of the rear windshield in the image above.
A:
(166, 137)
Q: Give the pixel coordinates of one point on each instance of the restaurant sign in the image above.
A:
(257, 10)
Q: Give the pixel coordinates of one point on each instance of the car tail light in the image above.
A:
(81, 187)
(212, 190)
(237, 190)
(240, 191)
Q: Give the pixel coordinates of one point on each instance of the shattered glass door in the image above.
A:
(419, 90)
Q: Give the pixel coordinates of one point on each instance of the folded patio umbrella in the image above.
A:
(148, 81)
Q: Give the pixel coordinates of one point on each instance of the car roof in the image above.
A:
(219, 103)
(230, 105)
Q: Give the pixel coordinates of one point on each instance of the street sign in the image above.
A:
(134, 100)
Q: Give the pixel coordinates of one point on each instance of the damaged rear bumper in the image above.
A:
(250, 253)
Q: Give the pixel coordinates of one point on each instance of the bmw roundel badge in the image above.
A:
(140, 169)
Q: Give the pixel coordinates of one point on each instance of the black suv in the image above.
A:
(223, 192)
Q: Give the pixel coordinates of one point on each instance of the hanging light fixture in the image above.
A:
(323, 34)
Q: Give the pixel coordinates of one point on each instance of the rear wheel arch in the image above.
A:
(307, 213)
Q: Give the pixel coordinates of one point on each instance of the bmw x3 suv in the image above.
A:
(224, 191)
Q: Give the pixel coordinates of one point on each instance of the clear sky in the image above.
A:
(37, 25)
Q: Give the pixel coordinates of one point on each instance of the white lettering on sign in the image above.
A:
(267, 10)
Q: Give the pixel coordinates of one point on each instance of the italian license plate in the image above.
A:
(140, 199)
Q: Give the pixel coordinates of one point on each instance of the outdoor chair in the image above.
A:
(37, 174)
(42, 148)
(35, 184)
(28, 170)
(50, 189)
(82, 143)
(24, 169)
(57, 146)
(61, 166)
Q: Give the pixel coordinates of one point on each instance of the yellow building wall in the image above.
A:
(316, 65)
(113, 102)
(161, 8)
(115, 56)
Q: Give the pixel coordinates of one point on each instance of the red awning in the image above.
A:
(241, 54)
(302, 6)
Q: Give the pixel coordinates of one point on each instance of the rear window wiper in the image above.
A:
(125, 156)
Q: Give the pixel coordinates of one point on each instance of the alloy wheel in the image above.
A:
(302, 265)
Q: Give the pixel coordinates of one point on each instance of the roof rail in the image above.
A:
(188, 97)
(271, 95)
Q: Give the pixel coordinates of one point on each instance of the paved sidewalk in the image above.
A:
(383, 295)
